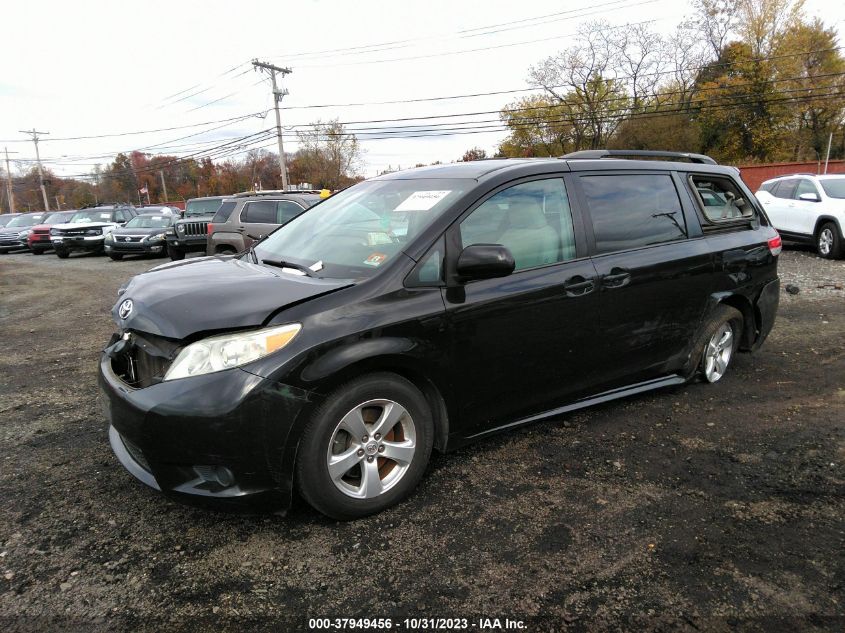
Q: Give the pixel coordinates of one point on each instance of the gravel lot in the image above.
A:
(696, 508)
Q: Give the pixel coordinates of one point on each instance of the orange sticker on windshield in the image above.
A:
(376, 259)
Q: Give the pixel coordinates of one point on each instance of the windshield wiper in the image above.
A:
(283, 264)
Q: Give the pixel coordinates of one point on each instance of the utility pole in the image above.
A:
(9, 192)
(163, 185)
(277, 99)
(35, 134)
(827, 156)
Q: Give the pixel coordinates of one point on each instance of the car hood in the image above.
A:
(84, 225)
(139, 231)
(14, 230)
(178, 299)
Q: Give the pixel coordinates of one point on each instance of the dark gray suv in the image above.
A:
(189, 233)
(245, 218)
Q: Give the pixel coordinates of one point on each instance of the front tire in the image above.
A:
(829, 242)
(116, 256)
(62, 253)
(719, 342)
(366, 447)
(175, 253)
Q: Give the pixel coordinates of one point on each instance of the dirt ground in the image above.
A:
(699, 508)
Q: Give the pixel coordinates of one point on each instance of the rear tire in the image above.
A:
(116, 256)
(62, 253)
(829, 241)
(382, 426)
(175, 253)
(717, 342)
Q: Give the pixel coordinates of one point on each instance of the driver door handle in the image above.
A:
(616, 278)
(578, 286)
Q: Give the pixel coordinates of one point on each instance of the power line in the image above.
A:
(164, 129)
(406, 127)
(476, 50)
(463, 129)
(532, 88)
(433, 126)
(461, 34)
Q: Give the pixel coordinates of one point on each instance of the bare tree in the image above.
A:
(583, 79)
(684, 54)
(715, 20)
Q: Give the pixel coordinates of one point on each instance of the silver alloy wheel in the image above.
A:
(825, 241)
(718, 352)
(371, 448)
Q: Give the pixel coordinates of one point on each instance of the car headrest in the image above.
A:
(525, 212)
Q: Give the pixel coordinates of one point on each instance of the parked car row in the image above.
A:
(230, 224)
(213, 225)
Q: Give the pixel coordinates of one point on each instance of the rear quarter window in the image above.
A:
(224, 212)
(259, 212)
(720, 202)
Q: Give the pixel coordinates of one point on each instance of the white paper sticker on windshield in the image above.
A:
(422, 200)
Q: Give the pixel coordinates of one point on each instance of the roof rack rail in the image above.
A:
(271, 192)
(639, 153)
(800, 173)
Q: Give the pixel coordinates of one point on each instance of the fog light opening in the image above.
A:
(219, 475)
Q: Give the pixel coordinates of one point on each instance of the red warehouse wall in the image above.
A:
(754, 175)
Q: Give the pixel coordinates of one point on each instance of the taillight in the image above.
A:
(210, 228)
(775, 245)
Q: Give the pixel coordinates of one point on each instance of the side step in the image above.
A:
(606, 396)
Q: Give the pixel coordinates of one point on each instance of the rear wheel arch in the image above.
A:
(825, 219)
(751, 318)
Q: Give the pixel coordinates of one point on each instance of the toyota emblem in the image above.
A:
(125, 309)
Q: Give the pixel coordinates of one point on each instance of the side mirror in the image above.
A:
(485, 261)
(809, 197)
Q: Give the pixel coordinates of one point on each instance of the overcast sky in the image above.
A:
(100, 68)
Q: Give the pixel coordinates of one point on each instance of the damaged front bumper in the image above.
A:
(222, 436)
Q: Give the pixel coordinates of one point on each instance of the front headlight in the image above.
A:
(217, 353)
(24, 234)
(109, 237)
(155, 238)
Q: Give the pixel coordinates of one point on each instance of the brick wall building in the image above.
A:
(754, 175)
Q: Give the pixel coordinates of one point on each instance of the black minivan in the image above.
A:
(429, 308)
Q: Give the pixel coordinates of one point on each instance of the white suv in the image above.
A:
(808, 208)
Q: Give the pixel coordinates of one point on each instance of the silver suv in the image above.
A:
(245, 218)
(808, 208)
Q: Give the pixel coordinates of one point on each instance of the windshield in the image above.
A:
(56, 218)
(833, 187)
(25, 220)
(91, 216)
(202, 207)
(5, 219)
(149, 222)
(356, 231)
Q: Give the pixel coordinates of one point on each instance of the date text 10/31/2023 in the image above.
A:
(416, 624)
